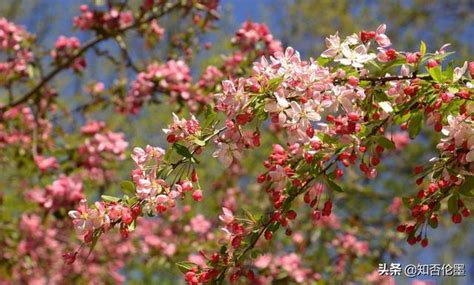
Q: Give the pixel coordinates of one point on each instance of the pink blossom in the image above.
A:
(62, 193)
(459, 72)
(226, 153)
(14, 41)
(92, 127)
(45, 163)
(199, 224)
(65, 48)
(173, 78)
(180, 129)
(86, 219)
(251, 33)
(395, 205)
(381, 38)
(227, 216)
(400, 139)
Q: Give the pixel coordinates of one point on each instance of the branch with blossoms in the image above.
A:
(334, 112)
(69, 53)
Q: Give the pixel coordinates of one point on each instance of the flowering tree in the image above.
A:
(316, 123)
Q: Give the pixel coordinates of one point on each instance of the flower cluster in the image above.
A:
(87, 220)
(40, 243)
(172, 77)
(103, 21)
(46, 163)
(99, 147)
(459, 140)
(154, 33)
(19, 126)
(63, 193)
(15, 42)
(353, 51)
(252, 39)
(332, 113)
(290, 263)
(453, 169)
(252, 34)
(181, 129)
(66, 48)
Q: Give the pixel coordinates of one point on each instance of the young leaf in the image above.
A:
(127, 187)
(210, 117)
(453, 204)
(185, 266)
(110, 198)
(334, 186)
(249, 215)
(182, 150)
(386, 143)
(467, 187)
(436, 74)
(274, 83)
(199, 142)
(132, 226)
(323, 61)
(422, 48)
(415, 125)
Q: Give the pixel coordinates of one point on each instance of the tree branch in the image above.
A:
(90, 44)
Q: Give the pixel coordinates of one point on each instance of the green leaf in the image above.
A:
(182, 150)
(415, 124)
(442, 56)
(386, 143)
(323, 60)
(334, 186)
(223, 250)
(185, 266)
(31, 71)
(127, 187)
(209, 117)
(256, 253)
(95, 238)
(422, 48)
(436, 74)
(448, 73)
(467, 187)
(132, 226)
(249, 215)
(110, 198)
(453, 89)
(199, 142)
(391, 65)
(274, 83)
(453, 204)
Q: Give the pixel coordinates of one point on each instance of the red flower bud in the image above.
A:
(432, 63)
(456, 218)
(401, 228)
(379, 149)
(291, 214)
(466, 213)
(197, 195)
(310, 131)
(424, 242)
(268, 235)
(124, 233)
